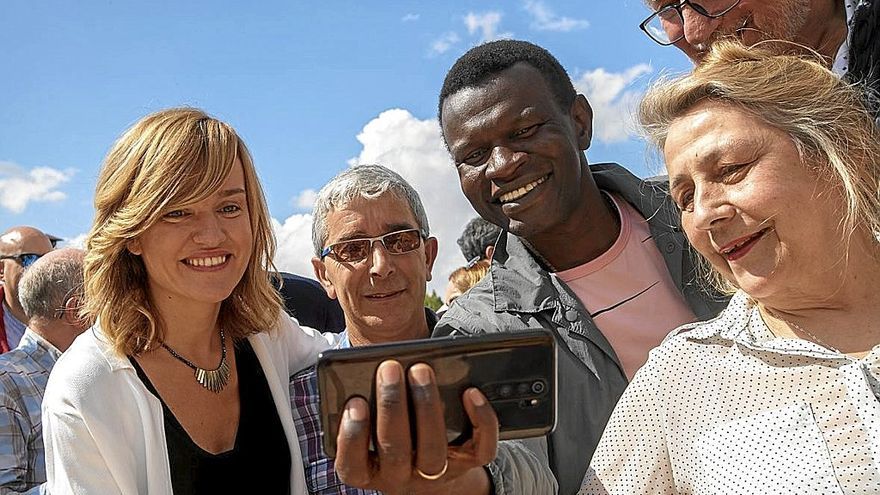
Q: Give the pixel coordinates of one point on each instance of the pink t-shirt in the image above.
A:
(629, 292)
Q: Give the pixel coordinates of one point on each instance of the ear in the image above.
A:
(134, 247)
(321, 274)
(490, 250)
(70, 312)
(430, 255)
(582, 117)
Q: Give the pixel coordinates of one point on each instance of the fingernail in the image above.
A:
(476, 397)
(356, 410)
(421, 375)
(389, 371)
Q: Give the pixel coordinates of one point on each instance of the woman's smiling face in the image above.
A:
(750, 204)
(199, 252)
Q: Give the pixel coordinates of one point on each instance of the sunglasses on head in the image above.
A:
(24, 259)
(354, 250)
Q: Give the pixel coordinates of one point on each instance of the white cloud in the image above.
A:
(305, 200)
(78, 241)
(410, 17)
(444, 43)
(19, 187)
(294, 238)
(613, 98)
(414, 149)
(486, 24)
(544, 19)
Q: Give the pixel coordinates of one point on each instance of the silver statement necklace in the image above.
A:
(214, 380)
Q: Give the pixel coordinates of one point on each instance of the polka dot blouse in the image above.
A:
(841, 60)
(725, 407)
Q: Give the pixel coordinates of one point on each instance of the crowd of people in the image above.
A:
(716, 326)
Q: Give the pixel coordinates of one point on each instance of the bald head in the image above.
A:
(51, 292)
(24, 239)
(15, 242)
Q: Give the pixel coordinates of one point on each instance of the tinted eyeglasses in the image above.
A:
(24, 259)
(354, 250)
(666, 25)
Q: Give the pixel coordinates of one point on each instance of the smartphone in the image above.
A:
(515, 371)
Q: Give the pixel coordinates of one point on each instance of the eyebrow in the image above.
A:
(232, 192)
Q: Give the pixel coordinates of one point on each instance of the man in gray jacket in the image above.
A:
(592, 253)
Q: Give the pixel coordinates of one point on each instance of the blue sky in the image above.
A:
(311, 86)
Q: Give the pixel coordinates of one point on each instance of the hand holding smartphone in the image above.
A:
(516, 372)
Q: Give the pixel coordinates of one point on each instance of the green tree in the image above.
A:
(433, 301)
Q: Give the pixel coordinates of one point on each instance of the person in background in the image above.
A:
(50, 293)
(306, 300)
(181, 384)
(374, 254)
(477, 241)
(772, 161)
(844, 32)
(20, 247)
(462, 279)
(591, 253)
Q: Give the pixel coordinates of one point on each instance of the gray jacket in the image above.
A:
(518, 294)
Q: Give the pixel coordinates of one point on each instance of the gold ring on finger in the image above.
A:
(432, 477)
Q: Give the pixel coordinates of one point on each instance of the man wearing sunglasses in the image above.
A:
(20, 247)
(843, 31)
(374, 253)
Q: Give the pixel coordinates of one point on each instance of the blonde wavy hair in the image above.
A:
(170, 159)
(828, 119)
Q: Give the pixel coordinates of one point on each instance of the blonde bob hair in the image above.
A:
(465, 277)
(167, 160)
(827, 119)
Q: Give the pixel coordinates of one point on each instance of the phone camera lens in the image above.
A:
(538, 387)
(505, 391)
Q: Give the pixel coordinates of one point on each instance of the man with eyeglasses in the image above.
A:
(374, 253)
(20, 247)
(843, 31)
(51, 295)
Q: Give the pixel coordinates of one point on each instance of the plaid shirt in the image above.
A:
(320, 475)
(24, 372)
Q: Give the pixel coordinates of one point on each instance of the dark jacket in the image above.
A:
(306, 300)
(863, 59)
(520, 294)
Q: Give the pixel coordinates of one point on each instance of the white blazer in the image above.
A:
(105, 432)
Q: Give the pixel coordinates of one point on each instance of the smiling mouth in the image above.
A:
(384, 295)
(207, 262)
(742, 247)
(522, 191)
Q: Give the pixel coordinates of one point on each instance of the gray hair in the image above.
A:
(478, 234)
(362, 181)
(47, 284)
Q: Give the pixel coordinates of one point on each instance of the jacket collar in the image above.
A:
(521, 284)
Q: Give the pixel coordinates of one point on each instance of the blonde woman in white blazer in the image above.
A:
(181, 386)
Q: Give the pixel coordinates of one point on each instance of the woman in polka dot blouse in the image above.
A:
(775, 165)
